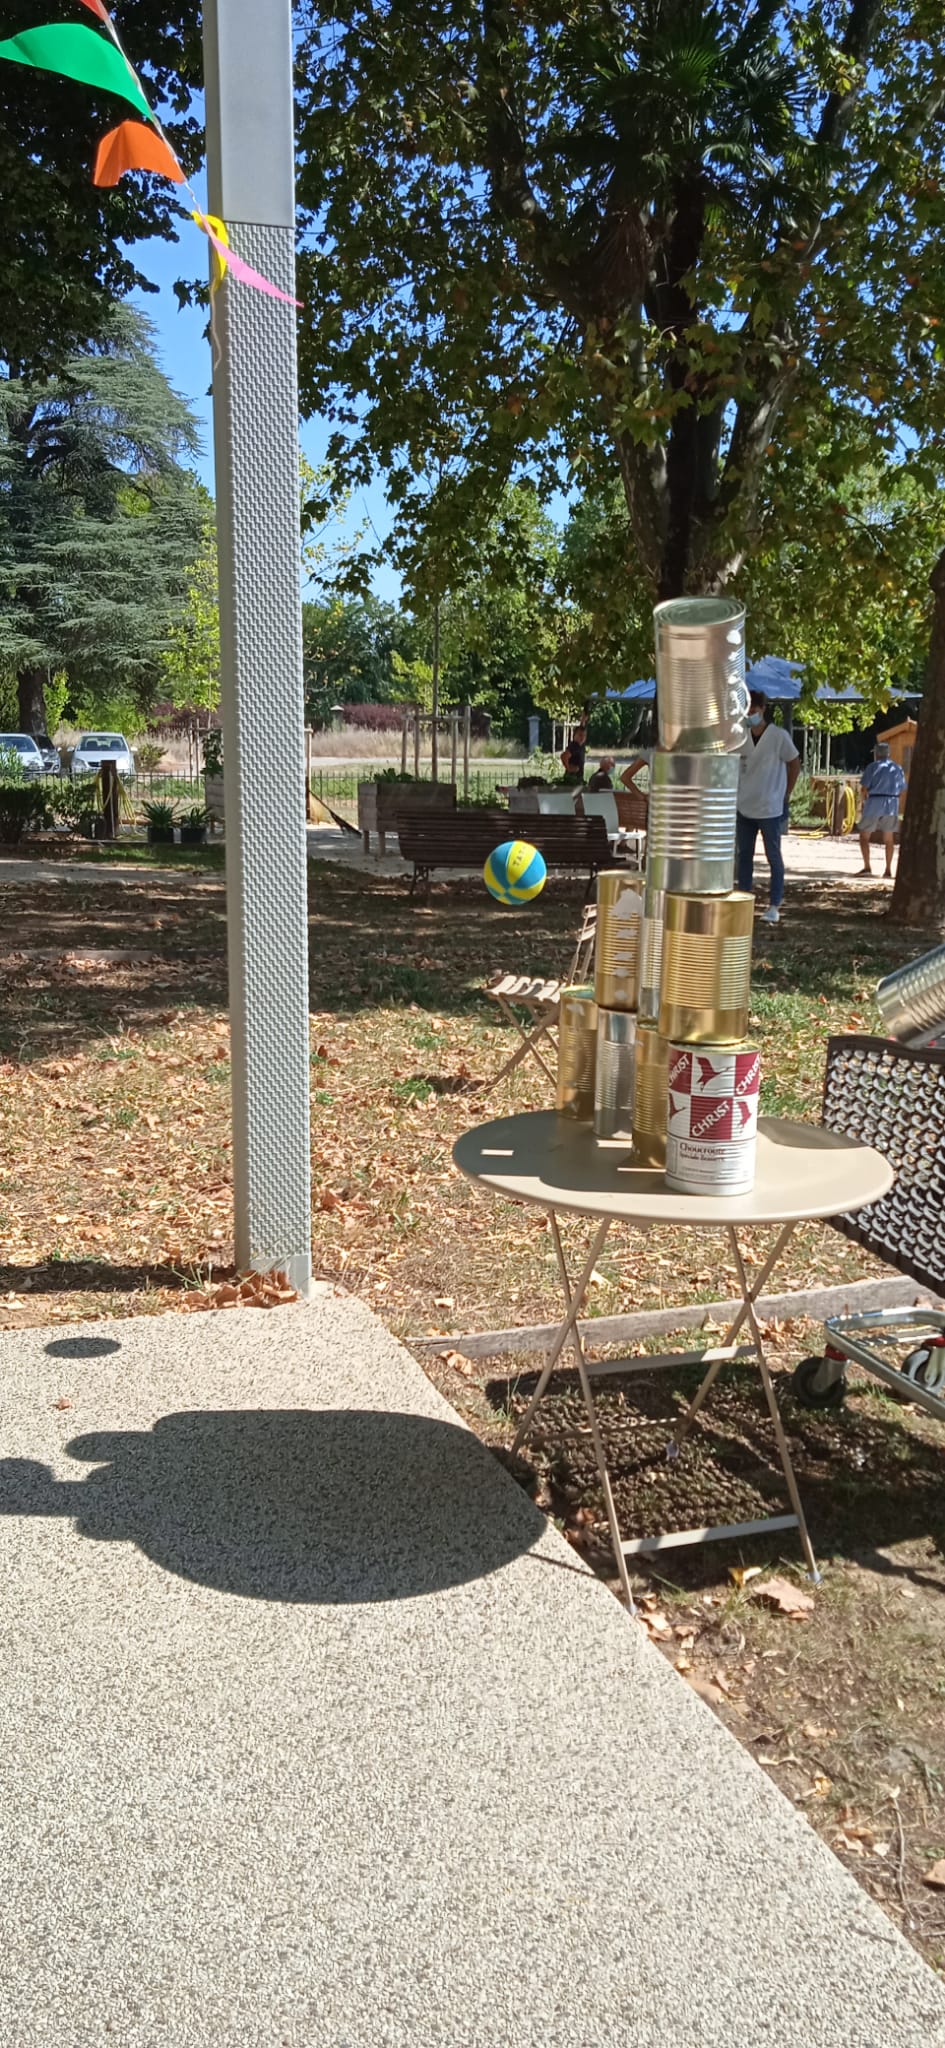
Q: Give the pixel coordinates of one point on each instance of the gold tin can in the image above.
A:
(649, 1101)
(617, 944)
(577, 1054)
(706, 968)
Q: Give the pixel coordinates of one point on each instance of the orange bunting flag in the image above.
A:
(133, 147)
(95, 7)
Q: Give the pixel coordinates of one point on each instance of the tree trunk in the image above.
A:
(919, 895)
(31, 699)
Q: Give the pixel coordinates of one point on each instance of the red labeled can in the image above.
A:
(712, 1118)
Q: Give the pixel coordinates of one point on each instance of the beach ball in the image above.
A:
(514, 872)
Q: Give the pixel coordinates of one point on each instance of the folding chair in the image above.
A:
(894, 1097)
(541, 1000)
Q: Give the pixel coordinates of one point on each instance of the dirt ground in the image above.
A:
(115, 1199)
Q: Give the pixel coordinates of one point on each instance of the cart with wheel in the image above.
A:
(891, 1096)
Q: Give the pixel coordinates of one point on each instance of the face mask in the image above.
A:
(756, 718)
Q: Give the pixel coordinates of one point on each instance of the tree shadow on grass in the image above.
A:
(332, 1506)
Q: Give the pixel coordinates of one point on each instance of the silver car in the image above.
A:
(24, 746)
(95, 747)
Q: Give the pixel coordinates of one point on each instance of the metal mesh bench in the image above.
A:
(892, 1097)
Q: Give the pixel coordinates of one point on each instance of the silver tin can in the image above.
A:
(651, 952)
(694, 1167)
(911, 1000)
(616, 1064)
(690, 844)
(701, 694)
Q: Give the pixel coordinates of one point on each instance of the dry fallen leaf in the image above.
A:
(936, 1876)
(786, 1597)
(741, 1573)
(707, 1691)
(458, 1361)
(62, 1403)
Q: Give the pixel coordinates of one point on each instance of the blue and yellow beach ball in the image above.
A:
(514, 872)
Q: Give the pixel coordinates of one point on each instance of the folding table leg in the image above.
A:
(574, 1305)
(775, 1413)
(749, 1297)
(600, 1454)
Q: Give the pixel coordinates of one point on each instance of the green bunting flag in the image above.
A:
(79, 53)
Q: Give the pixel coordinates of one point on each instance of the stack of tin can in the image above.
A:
(696, 936)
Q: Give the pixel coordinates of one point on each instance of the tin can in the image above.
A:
(577, 1053)
(694, 1167)
(616, 1067)
(701, 694)
(651, 953)
(617, 944)
(706, 969)
(712, 1118)
(691, 825)
(911, 1000)
(649, 1102)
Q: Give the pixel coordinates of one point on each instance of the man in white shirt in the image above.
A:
(770, 766)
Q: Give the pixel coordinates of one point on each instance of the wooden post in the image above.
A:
(435, 726)
(467, 734)
(403, 742)
(416, 742)
(454, 742)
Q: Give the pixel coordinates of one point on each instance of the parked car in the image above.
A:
(51, 759)
(95, 747)
(23, 744)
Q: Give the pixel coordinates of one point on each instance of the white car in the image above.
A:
(95, 747)
(27, 753)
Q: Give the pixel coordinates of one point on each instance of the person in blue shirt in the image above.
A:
(883, 783)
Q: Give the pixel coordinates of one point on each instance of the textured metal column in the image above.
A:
(248, 53)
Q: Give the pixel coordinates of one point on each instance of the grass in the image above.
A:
(115, 1194)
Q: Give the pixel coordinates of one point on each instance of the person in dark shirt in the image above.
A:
(603, 775)
(575, 755)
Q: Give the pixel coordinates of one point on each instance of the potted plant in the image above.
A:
(160, 822)
(193, 826)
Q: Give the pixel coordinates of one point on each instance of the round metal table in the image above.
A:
(803, 1171)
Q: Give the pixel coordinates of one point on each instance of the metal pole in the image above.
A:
(454, 740)
(467, 733)
(403, 744)
(416, 743)
(251, 184)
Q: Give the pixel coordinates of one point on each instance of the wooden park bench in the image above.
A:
(465, 839)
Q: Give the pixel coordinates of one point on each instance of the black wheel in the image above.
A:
(806, 1391)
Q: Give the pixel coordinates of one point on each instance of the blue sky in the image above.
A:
(184, 353)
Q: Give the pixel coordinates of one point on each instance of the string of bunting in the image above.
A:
(72, 50)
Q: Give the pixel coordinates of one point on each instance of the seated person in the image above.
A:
(602, 777)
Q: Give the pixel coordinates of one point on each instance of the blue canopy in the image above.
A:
(635, 693)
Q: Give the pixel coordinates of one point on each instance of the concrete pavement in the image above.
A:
(315, 1732)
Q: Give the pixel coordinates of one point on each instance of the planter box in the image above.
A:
(160, 835)
(193, 835)
(379, 803)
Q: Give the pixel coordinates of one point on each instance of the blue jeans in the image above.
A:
(747, 833)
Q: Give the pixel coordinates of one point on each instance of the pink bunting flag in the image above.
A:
(95, 7)
(244, 271)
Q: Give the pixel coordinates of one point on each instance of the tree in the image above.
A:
(640, 241)
(64, 245)
(501, 619)
(919, 892)
(190, 663)
(347, 648)
(99, 519)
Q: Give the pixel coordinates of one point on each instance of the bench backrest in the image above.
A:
(466, 838)
(891, 1097)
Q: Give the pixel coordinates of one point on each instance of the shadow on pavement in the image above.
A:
(332, 1506)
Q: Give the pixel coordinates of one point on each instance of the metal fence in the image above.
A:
(338, 787)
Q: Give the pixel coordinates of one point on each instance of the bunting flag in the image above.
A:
(134, 147)
(228, 260)
(95, 7)
(80, 53)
